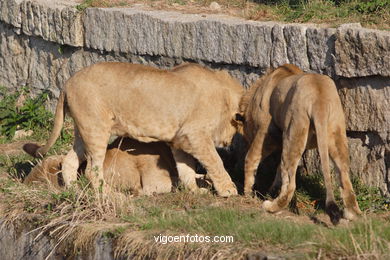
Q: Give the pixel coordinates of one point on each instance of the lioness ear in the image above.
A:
(239, 117)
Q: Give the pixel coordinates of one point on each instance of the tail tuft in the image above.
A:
(32, 149)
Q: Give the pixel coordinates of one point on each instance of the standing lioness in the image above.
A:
(291, 110)
(189, 107)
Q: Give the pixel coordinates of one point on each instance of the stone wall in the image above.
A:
(42, 44)
(18, 243)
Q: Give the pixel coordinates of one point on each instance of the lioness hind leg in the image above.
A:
(294, 144)
(73, 159)
(338, 150)
(202, 148)
(185, 165)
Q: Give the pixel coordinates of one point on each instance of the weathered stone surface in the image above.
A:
(362, 52)
(369, 155)
(59, 22)
(320, 49)
(23, 244)
(14, 50)
(10, 12)
(279, 48)
(168, 34)
(295, 37)
(366, 103)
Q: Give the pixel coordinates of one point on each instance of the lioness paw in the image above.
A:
(228, 191)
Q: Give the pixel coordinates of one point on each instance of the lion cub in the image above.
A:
(129, 165)
(290, 110)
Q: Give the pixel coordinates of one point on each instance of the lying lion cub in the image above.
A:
(129, 165)
(290, 110)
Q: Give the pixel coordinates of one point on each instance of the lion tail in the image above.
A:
(321, 122)
(38, 151)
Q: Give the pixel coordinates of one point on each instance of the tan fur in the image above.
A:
(46, 171)
(190, 107)
(129, 165)
(290, 110)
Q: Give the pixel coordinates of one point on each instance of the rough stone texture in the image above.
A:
(369, 158)
(362, 52)
(320, 49)
(59, 22)
(213, 39)
(23, 244)
(295, 37)
(14, 50)
(10, 12)
(43, 42)
(366, 103)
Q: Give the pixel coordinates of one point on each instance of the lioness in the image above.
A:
(290, 110)
(129, 165)
(190, 107)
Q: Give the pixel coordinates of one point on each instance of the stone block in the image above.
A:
(369, 155)
(320, 49)
(362, 52)
(366, 103)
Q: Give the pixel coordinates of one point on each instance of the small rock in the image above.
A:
(22, 133)
(214, 6)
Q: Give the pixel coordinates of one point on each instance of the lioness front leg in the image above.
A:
(202, 148)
